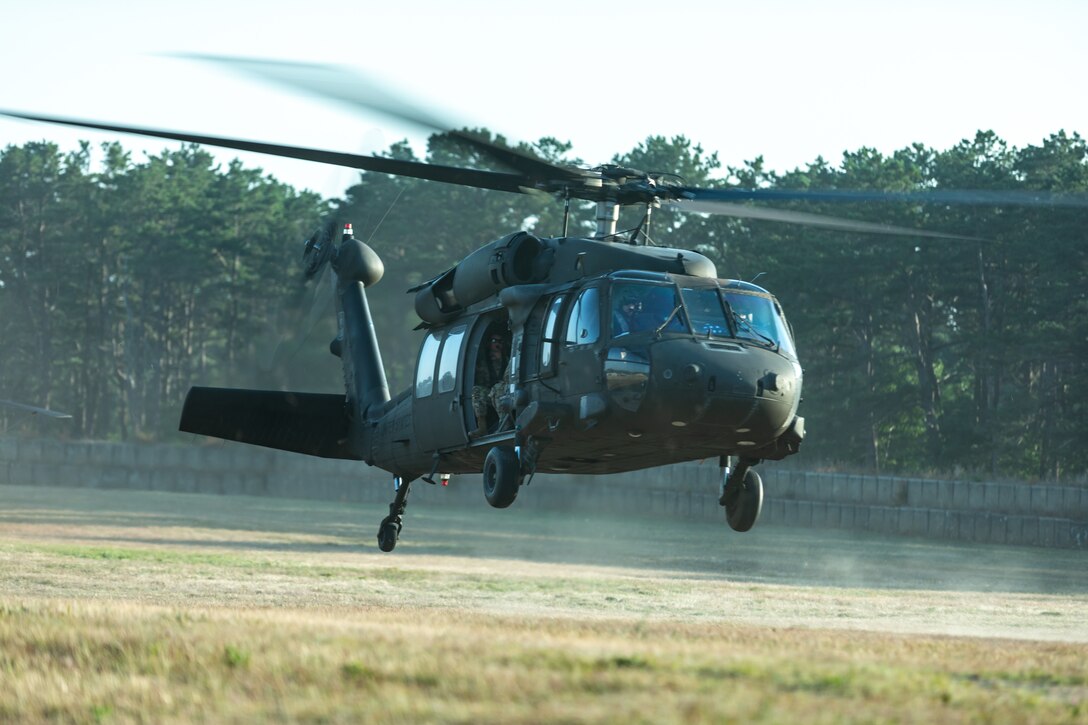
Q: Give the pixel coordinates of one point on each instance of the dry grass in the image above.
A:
(95, 660)
(146, 607)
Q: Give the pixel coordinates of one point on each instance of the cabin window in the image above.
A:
(447, 366)
(428, 355)
(547, 343)
(584, 326)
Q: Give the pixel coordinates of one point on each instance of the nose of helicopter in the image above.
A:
(740, 394)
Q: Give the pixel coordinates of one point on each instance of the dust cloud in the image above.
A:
(532, 562)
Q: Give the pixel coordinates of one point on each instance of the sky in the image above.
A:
(788, 80)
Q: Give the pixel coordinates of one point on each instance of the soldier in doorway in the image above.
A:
(490, 382)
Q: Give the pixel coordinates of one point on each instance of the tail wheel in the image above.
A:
(388, 534)
(743, 510)
(502, 476)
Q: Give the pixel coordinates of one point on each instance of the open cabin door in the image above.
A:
(486, 366)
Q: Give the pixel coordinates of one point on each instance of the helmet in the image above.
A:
(630, 295)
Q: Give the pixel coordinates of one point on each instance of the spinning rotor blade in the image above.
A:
(937, 196)
(359, 92)
(604, 184)
(282, 348)
(34, 410)
(327, 81)
(498, 181)
(317, 274)
(742, 211)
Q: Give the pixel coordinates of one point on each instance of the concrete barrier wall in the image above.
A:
(1006, 513)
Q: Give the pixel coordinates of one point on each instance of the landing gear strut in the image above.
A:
(741, 494)
(389, 531)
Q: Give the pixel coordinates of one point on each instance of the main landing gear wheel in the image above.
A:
(743, 501)
(502, 476)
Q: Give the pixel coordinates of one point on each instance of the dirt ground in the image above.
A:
(177, 549)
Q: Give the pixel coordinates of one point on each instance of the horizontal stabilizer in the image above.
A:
(312, 423)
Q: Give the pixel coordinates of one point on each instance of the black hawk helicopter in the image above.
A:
(543, 354)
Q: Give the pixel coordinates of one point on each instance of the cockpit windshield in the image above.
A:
(758, 318)
(755, 317)
(707, 311)
(640, 307)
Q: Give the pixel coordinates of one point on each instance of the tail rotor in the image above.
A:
(315, 292)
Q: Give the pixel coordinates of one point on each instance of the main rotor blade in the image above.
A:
(936, 196)
(743, 211)
(498, 181)
(34, 410)
(356, 90)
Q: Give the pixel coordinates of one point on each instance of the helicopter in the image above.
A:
(596, 354)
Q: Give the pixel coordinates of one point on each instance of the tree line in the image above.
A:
(124, 283)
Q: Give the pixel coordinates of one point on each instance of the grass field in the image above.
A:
(131, 606)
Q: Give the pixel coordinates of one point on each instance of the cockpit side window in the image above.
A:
(584, 325)
(547, 342)
(759, 319)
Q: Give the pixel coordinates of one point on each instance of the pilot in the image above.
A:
(626, 312)
(490, 382)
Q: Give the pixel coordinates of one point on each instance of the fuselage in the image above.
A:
(610, 373)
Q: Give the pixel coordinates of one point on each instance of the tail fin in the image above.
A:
(357, 267)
